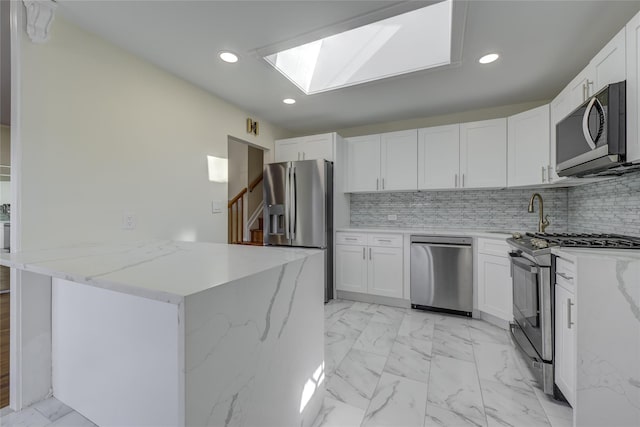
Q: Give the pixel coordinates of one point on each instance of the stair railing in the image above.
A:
(236, 217)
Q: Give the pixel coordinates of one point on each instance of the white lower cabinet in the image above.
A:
(351, 268)
(375, 268)
(493, 277)
(495, 292)
(385, 272)
(565, 342)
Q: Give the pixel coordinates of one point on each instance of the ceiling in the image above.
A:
(543, 44)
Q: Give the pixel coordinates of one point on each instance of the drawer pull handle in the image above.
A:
(384, 240)
(350, 238)
(564, 276)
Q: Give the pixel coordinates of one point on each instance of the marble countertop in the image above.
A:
(500, 235)
(162, 270)
(616, 254)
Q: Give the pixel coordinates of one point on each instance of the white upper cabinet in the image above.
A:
(399, 166)
(633, 89)
(558, 110)
(439, 157)
(609, 65)
(528, 147)
(313, 147)
(363, 163)
(385, 162)
(287, 150)
(483, 154)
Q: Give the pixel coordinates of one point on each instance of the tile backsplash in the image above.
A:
(606, 207)
(469, 210)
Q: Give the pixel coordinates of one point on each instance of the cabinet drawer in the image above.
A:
(388, 240)
(565, 268)
(351, 239)
(493, 247)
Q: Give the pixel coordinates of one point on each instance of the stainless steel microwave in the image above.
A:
(593, 138)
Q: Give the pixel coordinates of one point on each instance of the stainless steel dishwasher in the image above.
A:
(442, 274)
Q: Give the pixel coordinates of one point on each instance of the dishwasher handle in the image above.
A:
(442, 240)
(443, 245)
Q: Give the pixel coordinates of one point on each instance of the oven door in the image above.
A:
(531, 303)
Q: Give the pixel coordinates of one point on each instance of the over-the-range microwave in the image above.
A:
(592, 140)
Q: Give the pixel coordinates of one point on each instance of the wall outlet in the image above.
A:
(128, 221)
(392, 217)
(217, 207)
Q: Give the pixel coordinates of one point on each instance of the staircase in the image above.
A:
(240, 233)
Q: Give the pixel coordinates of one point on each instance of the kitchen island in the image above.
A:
(173, 333)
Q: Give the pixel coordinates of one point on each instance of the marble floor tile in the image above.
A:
(440, 417)
(511, 406)
(410, 358)
(560, 422)
(333, 310)
(364, 306)
(553, 408)
(450, 319)
(496, 362)
(355, 379)
(482, 331)
(417, 325)
(336, 346)
(454, 385)
(397, 401)
(452, 341)
(52, 408)
(389, 315)
(338, 414)
(377, 338)
(354, 321)
(26, 418)
(73, 419)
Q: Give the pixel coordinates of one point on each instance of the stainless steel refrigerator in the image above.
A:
(298, 209)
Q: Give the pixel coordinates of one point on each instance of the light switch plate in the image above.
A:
(128, 220)
(392, 217)
(217, 207)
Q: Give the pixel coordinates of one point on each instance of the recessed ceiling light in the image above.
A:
(289, 101)
(229, 57)
(489, 58)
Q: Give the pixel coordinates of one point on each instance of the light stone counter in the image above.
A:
(488, 234)
(607, 336)
(170, 333)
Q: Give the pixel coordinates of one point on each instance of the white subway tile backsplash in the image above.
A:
(611, 206)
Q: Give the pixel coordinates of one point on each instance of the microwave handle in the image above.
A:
(585, 122)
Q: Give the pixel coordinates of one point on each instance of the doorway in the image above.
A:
(245, 219)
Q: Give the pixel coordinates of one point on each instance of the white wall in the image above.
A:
(104, 132)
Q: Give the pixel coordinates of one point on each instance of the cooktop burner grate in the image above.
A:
(588, 240)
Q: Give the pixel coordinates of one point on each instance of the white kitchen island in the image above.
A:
(164, 333)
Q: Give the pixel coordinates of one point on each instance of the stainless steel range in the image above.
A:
(532, 270)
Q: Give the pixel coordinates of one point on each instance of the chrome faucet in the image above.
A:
(544, 221)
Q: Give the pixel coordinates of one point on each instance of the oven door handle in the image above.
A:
(524, 264)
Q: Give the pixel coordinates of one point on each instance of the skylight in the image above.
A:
(412, 41)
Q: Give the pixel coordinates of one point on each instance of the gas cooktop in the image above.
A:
(538, 241)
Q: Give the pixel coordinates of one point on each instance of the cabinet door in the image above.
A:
(609, 65)
(439, 157)
(528, 147)
(578, 89)
(385, 272)
(287, 150)
(399, 163)
(317, 147)
(483, 154)
(558, 110)
(633, 89)
(495, 291)
(363, 163)
(565, 363)
(351, 268)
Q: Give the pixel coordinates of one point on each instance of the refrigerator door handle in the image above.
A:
(287, 201)
(294, 205)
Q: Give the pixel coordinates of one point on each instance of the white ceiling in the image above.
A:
(543, 45)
